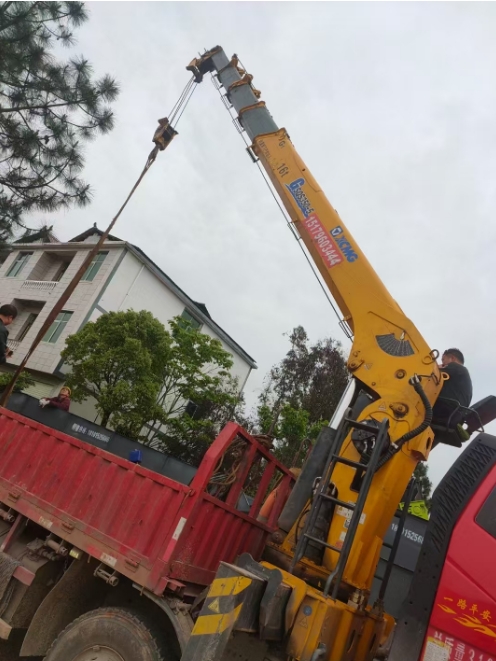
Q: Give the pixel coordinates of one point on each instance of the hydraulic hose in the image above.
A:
(396, 447)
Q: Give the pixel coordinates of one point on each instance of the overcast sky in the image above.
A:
(392, 106)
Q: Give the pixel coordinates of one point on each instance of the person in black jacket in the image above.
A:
(458, 388)
(7, 315)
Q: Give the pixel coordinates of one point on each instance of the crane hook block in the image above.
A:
(164, 134)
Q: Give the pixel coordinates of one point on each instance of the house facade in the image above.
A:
(120, 277)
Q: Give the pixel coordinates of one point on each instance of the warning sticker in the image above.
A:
(303, 623)
(436, 650)
(46, 523)
(344, 511)
(108, 559)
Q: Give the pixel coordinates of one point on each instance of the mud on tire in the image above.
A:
(108, 634)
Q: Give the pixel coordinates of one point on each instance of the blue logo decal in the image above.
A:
(343, 244)
(299, 196)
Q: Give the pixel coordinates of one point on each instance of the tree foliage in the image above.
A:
(422, 476)
(198, 394)
(48, 110)
(188, 435)
(174, 381)
(300, 395)
(24, 381)
(118, 360)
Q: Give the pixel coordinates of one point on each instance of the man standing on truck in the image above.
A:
(458, 387)
(7, 315)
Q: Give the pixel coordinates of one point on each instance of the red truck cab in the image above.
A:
(450, 612)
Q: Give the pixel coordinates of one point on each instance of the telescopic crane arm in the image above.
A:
(388, 351)
(390, 363)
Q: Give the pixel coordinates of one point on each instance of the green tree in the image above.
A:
(293, 432)
(169, 388)
(300, 395)
(198, 395)
(48, 110)
(118, 360)
(24, 381)
(422, 476)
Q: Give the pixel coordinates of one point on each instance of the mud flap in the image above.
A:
(76, 593)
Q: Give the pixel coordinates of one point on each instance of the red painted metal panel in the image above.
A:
(123, 506)
(145, 525)
(215, 531)
(463, 619)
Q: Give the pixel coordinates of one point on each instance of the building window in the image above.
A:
(58, 326)
(19, 263)
(190, 320)
(27, 325)
(94, 267)
(190, 409)
(60, 272)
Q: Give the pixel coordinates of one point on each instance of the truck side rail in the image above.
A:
(137, 522)
(213, 529)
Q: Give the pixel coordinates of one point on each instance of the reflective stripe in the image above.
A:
(211, 624)
(222, 587)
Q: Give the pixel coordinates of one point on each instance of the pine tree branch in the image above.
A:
(42, 107)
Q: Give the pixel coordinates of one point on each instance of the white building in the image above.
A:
(121, 277)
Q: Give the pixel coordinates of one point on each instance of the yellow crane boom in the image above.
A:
(372, 448)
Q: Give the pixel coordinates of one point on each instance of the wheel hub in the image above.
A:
(99, 653)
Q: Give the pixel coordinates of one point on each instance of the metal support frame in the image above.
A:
(396, 542)
(381, 434)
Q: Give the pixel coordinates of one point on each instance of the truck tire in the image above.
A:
(108, 634)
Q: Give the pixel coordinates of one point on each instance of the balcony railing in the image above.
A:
(13, 344)
(39, 286)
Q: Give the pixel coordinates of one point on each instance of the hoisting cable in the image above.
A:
(182, 102)
(288, 221)
(397, 445)
(298, 240)
(162, 139)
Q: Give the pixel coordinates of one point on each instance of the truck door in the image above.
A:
(450, 611)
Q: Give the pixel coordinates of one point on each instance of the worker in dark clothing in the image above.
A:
(458, 388)
(7, 315)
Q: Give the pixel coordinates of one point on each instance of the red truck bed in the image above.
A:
(148, 527)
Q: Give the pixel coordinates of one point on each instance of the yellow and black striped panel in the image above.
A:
(232, 603)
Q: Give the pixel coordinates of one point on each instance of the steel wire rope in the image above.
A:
(288, 221)
(178, 107)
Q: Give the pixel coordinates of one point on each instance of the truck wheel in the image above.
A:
(108, 634)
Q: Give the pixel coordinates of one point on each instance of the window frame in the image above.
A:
(57, 327)
(59, 274)
(95, 264)
(486, 516)
(21, 260)
(191, 319)
(26, 327)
